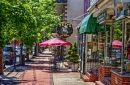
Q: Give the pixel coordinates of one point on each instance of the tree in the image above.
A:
(73, 55)
(23, 25)
(45, 15)
(26, 20)
(4, 21)
(44, 12)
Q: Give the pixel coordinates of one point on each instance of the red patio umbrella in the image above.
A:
(117, 44)
(54, 42)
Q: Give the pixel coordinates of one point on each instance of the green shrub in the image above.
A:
(73, 55)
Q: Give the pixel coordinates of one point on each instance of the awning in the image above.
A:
(88, 25)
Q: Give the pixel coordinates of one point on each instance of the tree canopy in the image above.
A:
(26, 20)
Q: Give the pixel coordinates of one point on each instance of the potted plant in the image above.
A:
(73, 57)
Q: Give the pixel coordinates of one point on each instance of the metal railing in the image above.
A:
(92, 61)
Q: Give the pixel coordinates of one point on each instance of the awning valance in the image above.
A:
(88, 25)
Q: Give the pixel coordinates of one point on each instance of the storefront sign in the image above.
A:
(101, 17)
(64, 29)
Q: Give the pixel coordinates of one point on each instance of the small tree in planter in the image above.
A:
(73, 57)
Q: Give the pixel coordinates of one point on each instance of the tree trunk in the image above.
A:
(27, 56)
(22, 57)
(36, 49)
(1, 61)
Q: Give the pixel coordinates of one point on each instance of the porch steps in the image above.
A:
(90, 76)
(101, 83)
(85, 78)
(107, 79)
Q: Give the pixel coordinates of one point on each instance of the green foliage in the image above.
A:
(117, 30)
(73, 55)
(27, 20)
(44, 12)
(4, 21)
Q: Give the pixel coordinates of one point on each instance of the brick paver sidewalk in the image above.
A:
(39, 72)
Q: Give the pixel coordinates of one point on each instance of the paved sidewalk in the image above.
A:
(39, 72)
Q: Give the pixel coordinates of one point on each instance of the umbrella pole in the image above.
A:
(60, 52)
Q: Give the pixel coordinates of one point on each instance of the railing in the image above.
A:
(92, 61)
(61, 1)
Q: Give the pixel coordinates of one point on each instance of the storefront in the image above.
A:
(114, 15)
(87, 30)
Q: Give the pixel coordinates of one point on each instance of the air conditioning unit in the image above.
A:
(64, 1)
(128, 13)
(61, 1)
(121, 15)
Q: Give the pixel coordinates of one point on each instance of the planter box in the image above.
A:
(74, 67)
(30, 56)
(103, 71)
(118, 79)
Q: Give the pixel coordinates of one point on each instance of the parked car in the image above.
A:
(24, 50)
(17, 51)
(8, 53)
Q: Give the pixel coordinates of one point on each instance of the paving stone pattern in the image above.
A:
(39, 72)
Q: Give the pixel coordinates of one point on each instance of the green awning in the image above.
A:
(89, 25)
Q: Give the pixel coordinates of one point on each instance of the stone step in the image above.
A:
(95, 71)
(101, 83)
(85, 78)
(89, 74)
(107, 79)
(89, 77)
(92, 76)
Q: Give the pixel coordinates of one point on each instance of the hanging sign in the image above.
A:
(101, 17)
(64, 29)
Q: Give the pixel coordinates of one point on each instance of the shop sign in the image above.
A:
(101, 17)
(64, 29)
(90, 44)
